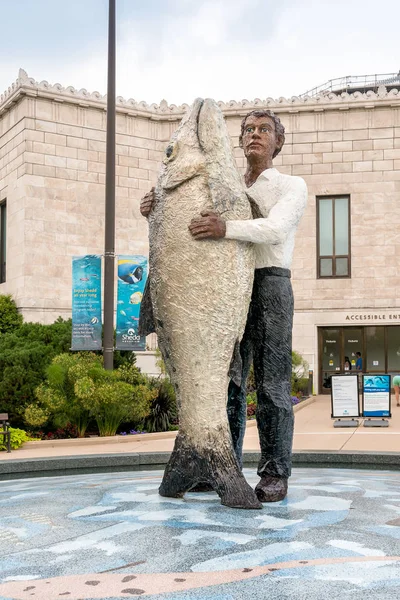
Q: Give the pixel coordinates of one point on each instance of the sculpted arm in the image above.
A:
(283, 217)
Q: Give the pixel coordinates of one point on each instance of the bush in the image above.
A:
(18, 437)
(251, 410)
(25, 354)
(299, 371)
(79, 389)
(10, 318)
(163, 409)
(61, 433)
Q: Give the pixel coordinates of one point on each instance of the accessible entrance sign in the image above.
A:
(376, 396)
(344, 397)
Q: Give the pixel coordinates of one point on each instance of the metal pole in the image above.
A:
(109, 241)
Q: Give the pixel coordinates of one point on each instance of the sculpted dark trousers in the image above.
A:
(267, 341)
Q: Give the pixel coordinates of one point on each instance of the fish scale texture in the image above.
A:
(200, 289)
(200, 292)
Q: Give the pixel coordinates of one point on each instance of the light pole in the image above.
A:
(109, 239)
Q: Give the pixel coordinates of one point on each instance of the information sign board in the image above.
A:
(376, 396)
(86, 303)
(344, 396)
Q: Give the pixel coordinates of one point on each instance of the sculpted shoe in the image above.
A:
(271, 489)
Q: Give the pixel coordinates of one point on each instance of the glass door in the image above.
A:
(352, 343)
(330, 353)
(375, 350)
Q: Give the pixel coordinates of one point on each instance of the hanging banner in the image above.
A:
(376, 396)
(86, 303)
(132, 276)
(344, 396)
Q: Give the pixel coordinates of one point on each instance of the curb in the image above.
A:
(68, 465)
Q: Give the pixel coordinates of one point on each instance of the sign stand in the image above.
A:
(376, 400)
(380, 423)
(344, 400)
(346, 423)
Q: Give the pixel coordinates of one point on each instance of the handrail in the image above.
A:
(343, 84)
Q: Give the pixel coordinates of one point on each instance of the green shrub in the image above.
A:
(79, 389)
(299, 372)
(18, 437)
(251, 398)
(163, 409)
(10, 318)
(25, 354)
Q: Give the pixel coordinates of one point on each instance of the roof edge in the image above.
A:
(25, 85)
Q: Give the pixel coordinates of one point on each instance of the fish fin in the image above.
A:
(235, 369)
(146, 316)
(213, 463)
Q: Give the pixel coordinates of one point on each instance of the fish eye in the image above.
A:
(169, 151)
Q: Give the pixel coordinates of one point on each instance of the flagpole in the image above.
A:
(109, 238)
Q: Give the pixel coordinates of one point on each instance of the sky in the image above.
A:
(181, 49)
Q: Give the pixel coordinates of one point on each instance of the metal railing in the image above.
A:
(354, 83)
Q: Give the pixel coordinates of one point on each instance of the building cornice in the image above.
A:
(27, 86)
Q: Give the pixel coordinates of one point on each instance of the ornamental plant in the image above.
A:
(18, 437)
(79, 389)
(163, 412)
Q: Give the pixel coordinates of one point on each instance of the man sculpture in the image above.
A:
(278, 202)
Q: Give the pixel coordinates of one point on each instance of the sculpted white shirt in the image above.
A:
(280, 200)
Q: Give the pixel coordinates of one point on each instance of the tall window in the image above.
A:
(3, 240)
(333, 227)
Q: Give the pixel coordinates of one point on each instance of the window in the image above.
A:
(333, 227)
(3, 241)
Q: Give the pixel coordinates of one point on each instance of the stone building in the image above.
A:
(345, 145)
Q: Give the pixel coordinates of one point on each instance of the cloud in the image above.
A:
(225, 49)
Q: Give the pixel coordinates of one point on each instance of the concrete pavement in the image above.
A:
(314, 432)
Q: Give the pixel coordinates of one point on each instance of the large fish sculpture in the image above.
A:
(200, 293)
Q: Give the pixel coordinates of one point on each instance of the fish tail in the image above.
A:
(214, 465)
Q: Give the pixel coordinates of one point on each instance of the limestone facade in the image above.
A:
(52, 175)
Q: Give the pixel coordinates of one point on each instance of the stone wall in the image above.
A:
(12, 170)
(52, 172)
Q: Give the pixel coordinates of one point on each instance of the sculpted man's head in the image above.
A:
(262, 133)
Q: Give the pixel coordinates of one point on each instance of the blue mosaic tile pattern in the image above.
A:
(338, 531)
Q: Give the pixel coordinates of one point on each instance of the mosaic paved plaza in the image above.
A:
(111, 536)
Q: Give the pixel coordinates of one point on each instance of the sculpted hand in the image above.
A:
(146, 203)
(208, 226)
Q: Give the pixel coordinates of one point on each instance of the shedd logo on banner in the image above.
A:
(130, 336)
(132, 277)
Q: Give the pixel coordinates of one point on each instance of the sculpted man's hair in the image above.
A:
(279, 128)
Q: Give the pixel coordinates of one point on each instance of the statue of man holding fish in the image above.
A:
(207, 222)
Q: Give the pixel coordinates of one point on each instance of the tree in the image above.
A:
(10, 318)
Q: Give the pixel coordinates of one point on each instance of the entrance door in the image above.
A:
(330, 353)
(352, 343)
(379, 347)
(375, 350)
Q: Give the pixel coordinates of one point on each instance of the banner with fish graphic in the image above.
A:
(86, 302)
(132, 276)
